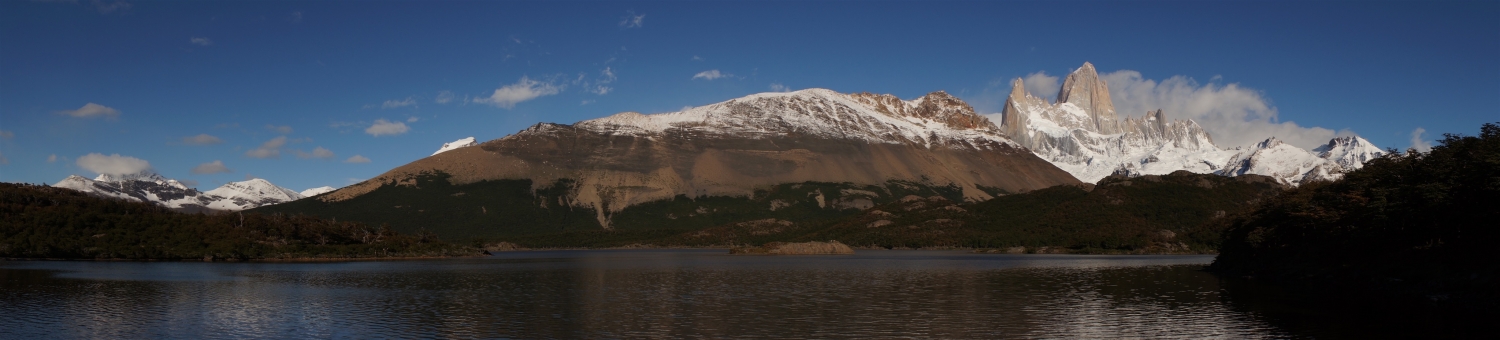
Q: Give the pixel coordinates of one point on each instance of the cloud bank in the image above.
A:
(114, 164)
(1233, 115)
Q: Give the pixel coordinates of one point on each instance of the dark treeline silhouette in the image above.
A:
(1414, 224)
(38, 221)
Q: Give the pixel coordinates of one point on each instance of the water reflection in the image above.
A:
(612, 294)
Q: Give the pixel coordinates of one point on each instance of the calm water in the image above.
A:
(633, 294)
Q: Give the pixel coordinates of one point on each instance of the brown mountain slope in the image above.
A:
(735, 148)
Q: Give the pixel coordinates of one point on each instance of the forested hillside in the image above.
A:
(1418, 223)
(47, 222)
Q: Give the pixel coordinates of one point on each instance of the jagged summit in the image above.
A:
(1084, 89)
(1351, 152)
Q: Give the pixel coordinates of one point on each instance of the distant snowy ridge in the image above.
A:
(315, 191)
(150, 187)
(934, 120)
(455, 145)
(1081, 134)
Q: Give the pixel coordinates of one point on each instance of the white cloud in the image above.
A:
(697, 58)
(711, 75)
(1233, 115)
(1419, 143)
(201, 139)
(391, 104)
(412, 119)
(52, 158)
(384, 127)
(107, 8)
(114, 164)
(632, 20)
(777, 87)
(523, 90)
(7, 134)
(444, 97)
(285, 130)
(357, 159)
(586, 102)
(200, 41)
(214, 167)
(91, 110)
(1040, 84)
(318, 152)
(269, 149)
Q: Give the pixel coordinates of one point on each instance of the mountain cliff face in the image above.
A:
(874, 145)
(1082, 135)
(150, 187)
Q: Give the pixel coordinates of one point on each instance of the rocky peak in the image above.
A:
(1268, 143)
(951, 111)
(1084, 89)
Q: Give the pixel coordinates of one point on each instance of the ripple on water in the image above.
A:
(629, 294)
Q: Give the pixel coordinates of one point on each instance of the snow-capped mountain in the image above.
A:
(1081, 134)
(455, 145)
(935, 120)
(742, 146)
(249, 194)
(147, 186)
(316, 191)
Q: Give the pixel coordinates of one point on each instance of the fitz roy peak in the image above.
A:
(872, 146)
(147, 186)
(1081, 134)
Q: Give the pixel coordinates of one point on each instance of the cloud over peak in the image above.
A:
(1233, 115)
(113, 164)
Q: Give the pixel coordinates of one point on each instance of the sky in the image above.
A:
(328, 93)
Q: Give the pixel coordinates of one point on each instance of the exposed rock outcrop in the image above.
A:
(801, 248)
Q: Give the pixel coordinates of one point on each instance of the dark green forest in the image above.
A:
(46, 222)
(1148, 214)
(1418, 224)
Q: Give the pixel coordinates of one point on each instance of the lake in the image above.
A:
(646, 294)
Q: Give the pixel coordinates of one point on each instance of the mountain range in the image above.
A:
(808, 154)
(148, 186)
(1082, 134)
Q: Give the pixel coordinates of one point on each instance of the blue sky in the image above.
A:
(292, 91)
